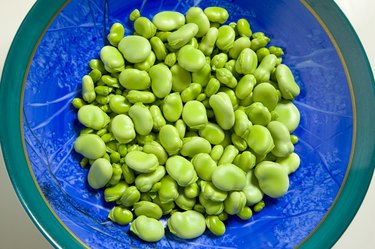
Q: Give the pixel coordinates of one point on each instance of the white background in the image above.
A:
(16, 229)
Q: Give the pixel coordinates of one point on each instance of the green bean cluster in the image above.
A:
(188, 117)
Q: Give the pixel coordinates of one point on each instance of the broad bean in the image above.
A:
(148, 229)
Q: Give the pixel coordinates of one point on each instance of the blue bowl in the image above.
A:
(336, 134)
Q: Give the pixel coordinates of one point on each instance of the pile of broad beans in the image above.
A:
(188, 117)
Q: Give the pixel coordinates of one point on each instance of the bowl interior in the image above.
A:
(325, 133)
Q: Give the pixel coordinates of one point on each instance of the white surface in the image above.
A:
(16, 229)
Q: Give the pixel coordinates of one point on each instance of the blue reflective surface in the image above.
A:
(325, 131)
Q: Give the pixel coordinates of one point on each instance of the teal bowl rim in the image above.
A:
(333, 224)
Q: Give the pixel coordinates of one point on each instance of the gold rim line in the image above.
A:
(350, 84)
(23, 138)
(322, 24)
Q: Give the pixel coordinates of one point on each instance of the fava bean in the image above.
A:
(191, 59)
(197, 16)
(208, 41)
(172, 107)
(158, 47)
(229, 177)
(88, 89)
(212, 133)
(155, 148)
(135, 48)
(100, 173)
(223, 109)
(281, 138)
(215, 225)
(235, 202)
(141, 162)
(203, 76)
(112, 59)
(184, 202)
(187, 225)
(247, 62)
(161, 80)
(266, 94)
(90, 146)
(194, 115)
(216, 14)
(148, 229)
(252, 190)
(273, 179)
(93, 117)
(148, 209)
(122, 128)
(170, 139)
(225, 38)
(181, 170)
(204, 165)
(288, 87)
(134, 79)
(116, 33)
(142, 118)
(168, 191)
(288, 114)
(144, 27)
(182, 36)
(238, 46)
(181, 78)
(168, 20)
(145, 182)
(120, 215)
